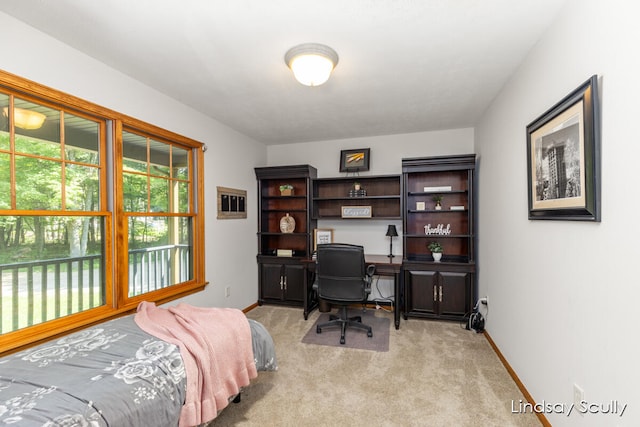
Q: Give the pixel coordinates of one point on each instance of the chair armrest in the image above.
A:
(371, 269)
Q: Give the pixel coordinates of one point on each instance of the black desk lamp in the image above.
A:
(391, 232)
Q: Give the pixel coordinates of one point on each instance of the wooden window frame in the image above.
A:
(116, 265)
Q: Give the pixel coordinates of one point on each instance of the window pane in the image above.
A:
(34, 136)
(82, 188)
(159, 195)
(134, 165)
(5, 181)
(81, 139)
(50, 267)
(134, 149)
(180, 163)
(38, 184)
(38, 147)
(4, 121)
(135, 192)
(159, 253)
(160, 158)
(183, 197)
(4, 140)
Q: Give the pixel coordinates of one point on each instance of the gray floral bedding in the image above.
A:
(113, 374)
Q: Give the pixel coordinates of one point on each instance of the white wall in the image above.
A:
(563, 295)
(387, 153)
(231, 245)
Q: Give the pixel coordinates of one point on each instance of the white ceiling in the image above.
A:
(405, 65)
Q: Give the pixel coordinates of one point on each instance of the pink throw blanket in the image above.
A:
(215, 344)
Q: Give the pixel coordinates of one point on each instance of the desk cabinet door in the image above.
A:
(294, 282)
(271, 282)
(455, 293)
(421, 290)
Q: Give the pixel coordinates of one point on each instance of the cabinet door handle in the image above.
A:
(281, 282)
(440, 293)
(435, 293)
(285, 283)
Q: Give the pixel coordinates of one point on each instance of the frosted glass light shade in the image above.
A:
(25, 119)
(311, 63)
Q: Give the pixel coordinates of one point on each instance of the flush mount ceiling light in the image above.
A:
(311, 63)
(25, 119)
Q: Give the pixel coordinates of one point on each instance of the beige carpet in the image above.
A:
(434, 374)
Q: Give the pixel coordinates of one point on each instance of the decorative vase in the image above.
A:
(287, 224)
(438, 206)
(437, 256)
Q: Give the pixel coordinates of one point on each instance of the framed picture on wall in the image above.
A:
(355, 160)
(232, 203)
(321, 236)
(563, 158)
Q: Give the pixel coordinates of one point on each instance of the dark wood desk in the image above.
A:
(385, 266)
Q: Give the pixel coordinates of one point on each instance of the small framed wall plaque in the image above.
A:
(232, 203)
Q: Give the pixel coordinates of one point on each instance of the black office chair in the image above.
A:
(342, 279)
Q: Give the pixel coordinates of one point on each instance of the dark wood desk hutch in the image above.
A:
(444, 289)
(283, 277)
(381, 198)
(381, 193)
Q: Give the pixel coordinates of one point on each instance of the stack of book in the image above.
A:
(357, 193)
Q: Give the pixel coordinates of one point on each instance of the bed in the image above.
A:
(115, 374)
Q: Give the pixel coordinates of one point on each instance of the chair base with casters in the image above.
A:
(344, 321)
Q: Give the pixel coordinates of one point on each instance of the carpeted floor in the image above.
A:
(434, 374)
(354, 338)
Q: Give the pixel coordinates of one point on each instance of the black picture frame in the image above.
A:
(357, 160)
(563, 158)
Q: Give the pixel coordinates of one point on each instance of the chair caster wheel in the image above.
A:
(318, 330)
(341, 340)
(369, 334)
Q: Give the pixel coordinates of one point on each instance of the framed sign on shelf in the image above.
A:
(563, 158)
(356, 212)
(322, 235)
